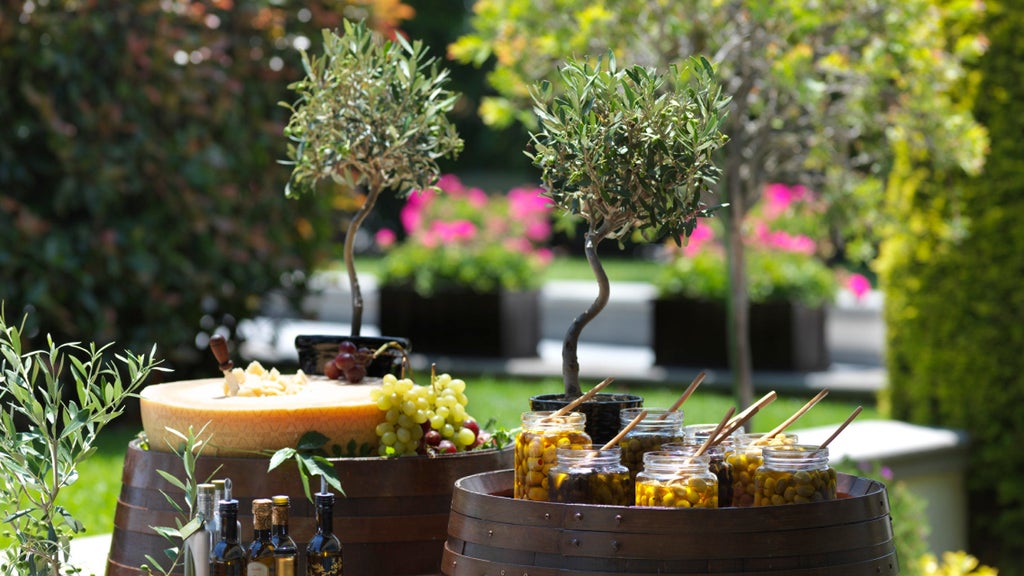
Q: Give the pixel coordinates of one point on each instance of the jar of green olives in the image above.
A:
(717, 464)
(794, 474)
(536, 448)
(657, 428)
(745, 458)
(675, 480)
(698, 433)
(590, 475)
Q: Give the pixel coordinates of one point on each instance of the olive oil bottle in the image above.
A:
(323, 553)
(285, 552)
(260, 552)
(228, 553)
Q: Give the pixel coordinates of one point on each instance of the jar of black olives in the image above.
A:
(590, 475)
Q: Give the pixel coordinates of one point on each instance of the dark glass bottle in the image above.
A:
(260, 553)
(228, 553)
(285, 552)
(323, 553)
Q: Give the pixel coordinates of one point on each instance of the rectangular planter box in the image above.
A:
(784, 336)
(464, 323)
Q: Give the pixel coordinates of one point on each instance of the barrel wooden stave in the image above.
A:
(493, 532)
(389, 505)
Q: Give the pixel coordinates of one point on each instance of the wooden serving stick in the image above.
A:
(622, 433)
(219, 347)
(842, 427)
(711, 437)
(590, 394)
(686, 394)
(746, 415)
(778, 429)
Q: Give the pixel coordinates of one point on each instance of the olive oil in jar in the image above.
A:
(674, 480)
(589, 475)
(659, 427)
(536, 447)
(794, 474)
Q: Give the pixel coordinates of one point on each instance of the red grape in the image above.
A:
(446, 447)
(356, 373)
(344, 360)
(433, 438)
(472, 425)
(347, 346)
(331, 370)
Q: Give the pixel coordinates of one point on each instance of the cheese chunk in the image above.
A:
(245, 425)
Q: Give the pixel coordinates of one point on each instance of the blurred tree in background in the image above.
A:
(142, 198)
(953, 305)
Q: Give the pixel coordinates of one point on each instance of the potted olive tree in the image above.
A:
(628, 150)
(370, 115)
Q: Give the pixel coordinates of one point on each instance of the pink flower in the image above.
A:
(545, 255)
(524, 202)
(477, 198)
(779, 197)
(450, 183)
(385, 237)
(449, 232)
(538, 230)
(412, 213)
(702, 235)
(859, 285)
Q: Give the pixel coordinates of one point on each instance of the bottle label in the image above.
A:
(257, 569)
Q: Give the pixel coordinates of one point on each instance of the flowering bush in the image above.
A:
(457, 237)
(784, 259)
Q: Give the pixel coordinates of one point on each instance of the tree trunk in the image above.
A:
(570, 345)
(350, 265)
(740, 359)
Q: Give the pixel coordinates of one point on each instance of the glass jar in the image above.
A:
(675, 480)
(657, 428)
(698, 433)
(794, 474)
(745, 458)
(717, 464)
(536, 449)
(589, 475)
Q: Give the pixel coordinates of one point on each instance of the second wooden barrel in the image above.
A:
(489, 532)
(391, 521)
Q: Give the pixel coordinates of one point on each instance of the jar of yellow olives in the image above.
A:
(717, 464)
(536, 448)
(794, 474)
(657, 428)
(745, 458)
(589, 475)
(675, 480)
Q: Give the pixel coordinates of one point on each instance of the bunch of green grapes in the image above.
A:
(424, 419)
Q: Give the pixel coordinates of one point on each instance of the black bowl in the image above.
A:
(315, 351)
(602, 411)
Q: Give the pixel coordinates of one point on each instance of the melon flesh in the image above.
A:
(244, 425)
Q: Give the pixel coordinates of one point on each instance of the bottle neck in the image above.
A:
(325, 513)
(229, 521)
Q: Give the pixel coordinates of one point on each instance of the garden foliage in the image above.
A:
(954, 308)
(142, 199)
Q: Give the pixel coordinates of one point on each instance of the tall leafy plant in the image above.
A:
(370, 115)
(626, 149)
(56, 401)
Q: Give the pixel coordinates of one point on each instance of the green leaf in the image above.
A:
(281, 456)
(312, 440)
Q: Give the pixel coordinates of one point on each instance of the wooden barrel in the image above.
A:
(491, 533)
(392, 520)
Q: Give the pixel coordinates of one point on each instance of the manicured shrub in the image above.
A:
(139, 147)
(955, 310)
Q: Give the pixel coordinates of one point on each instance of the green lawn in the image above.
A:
(93, 498)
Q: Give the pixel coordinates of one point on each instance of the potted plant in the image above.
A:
(464, 278)
(370, 115)
(627, 150)
(789, 284)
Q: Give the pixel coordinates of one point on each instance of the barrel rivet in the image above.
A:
(576, 542)
(547, 516)
(579, 516)
(618, 519)
(615, 545)
(490, 533)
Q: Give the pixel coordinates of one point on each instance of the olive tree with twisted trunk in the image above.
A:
(371, 114)
(626, 149)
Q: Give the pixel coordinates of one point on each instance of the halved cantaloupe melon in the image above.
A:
(244, 425)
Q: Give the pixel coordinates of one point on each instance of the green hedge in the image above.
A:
(955, 307)
(142, 199)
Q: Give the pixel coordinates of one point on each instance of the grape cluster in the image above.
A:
(424, 419)
(351, 362)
